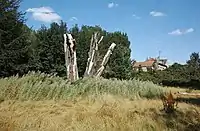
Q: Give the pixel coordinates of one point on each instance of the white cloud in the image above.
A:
(44, 14)
(136, 17)
(181, 32)
(155, 13)
(73, 18)
(111, 5)
(190, 30)
(176, 32)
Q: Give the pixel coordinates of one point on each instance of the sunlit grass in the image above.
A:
(39, 86)
(41, 102)
(105, 112)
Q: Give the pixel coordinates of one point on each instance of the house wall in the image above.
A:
(144, 69)
(161, 67)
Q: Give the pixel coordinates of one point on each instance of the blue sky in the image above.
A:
(169, 26)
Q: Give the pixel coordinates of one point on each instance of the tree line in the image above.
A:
(23, 49)
(181, 75)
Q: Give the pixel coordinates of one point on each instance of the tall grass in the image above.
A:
(102, 105)
(40, 86)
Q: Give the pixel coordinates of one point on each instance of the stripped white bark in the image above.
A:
(105, 60)
(92, 55)
(66, 55)
(89, 58)
(70, 61)
(94, 49)
(75, 68)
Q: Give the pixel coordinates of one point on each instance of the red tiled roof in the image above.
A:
(148, 63)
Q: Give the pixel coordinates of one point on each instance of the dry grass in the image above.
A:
(103, 113)
(40, 102)
(173, 89)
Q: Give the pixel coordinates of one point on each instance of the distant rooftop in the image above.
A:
(149, 62)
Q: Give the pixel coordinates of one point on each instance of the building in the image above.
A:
(151, 64)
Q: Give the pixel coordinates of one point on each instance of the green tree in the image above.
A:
(14, 44)
(83, 37)
(34, 61)
(50, 50)
(119, 65)
(194, 60)
(194, 65)
(187, 75)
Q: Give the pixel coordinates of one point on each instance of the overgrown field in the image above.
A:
(39, 86)
(38, 102)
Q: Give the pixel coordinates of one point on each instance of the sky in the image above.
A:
(169, 26)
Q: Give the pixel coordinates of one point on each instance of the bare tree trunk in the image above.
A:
(105, 60)
(66, 50)
(70, 58)
(92, 55)
(75, 67)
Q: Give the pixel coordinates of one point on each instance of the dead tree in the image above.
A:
(70, 57)
(105, 60)
(93, 54)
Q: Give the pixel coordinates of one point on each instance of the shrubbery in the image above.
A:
(187, 75)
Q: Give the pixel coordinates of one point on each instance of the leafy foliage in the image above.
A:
(119, 65)
(23, 49)
(49, 49)
(187, 75)
(14, 45)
